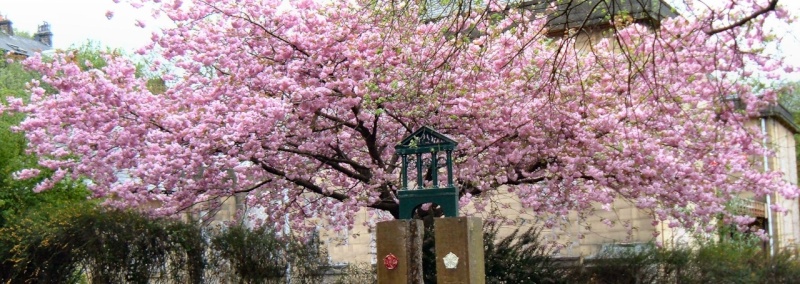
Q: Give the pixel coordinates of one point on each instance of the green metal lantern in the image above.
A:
(427, 143)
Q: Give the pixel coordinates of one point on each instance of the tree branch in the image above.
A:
(253, 187)
(301, 182)
(369, 138)
(334, 163)
(387, 205)
(769, 8)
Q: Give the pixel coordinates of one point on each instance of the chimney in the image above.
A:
(5, 26)
(43, 34)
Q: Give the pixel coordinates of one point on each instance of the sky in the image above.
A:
(74, 22)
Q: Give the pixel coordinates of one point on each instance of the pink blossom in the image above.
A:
(26, 174)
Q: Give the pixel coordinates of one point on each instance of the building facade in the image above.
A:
(20, 46)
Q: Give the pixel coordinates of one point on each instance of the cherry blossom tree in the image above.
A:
(297, 105)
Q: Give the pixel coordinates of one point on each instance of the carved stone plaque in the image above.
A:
(450, 261)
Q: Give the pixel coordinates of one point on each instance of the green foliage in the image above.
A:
(20, 207)
(21, 33)
(27, 239)
(60, 245)
(13, 78)
(626, 265)
(70, 244)
(263, 261)
(16, 196)
(784, 267)
(309, 261)
(789, 96)
(125, 247)
(740, 259)
(267, 257)
(736, 258)
(156, 85)
(519, 257)
(92, 55)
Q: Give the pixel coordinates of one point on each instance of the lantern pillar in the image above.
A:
(459, 250)
(459, 240)
(400, 252)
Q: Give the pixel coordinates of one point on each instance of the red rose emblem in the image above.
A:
(390, 261)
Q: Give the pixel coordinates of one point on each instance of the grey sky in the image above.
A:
(73, 22)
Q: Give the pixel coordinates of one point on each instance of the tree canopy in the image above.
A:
(298, 105)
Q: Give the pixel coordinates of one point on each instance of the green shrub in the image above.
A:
(519, 257)
(263, 260)
(620, 264)
(783, 267)
(105, 246)
(730, 260)
(726, 262)
(89, 244)
(34, 253)
(260, 256)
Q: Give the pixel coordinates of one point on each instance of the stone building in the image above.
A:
(21, 47)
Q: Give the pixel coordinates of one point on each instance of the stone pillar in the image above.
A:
(459, 250)
(400, 252)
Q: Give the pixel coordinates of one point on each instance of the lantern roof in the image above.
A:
(425, 140)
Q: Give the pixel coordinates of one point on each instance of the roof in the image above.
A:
(591, 13)
(20, 45)
(425, 140)
(569, 13)
(775, 111)
(782, 115)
